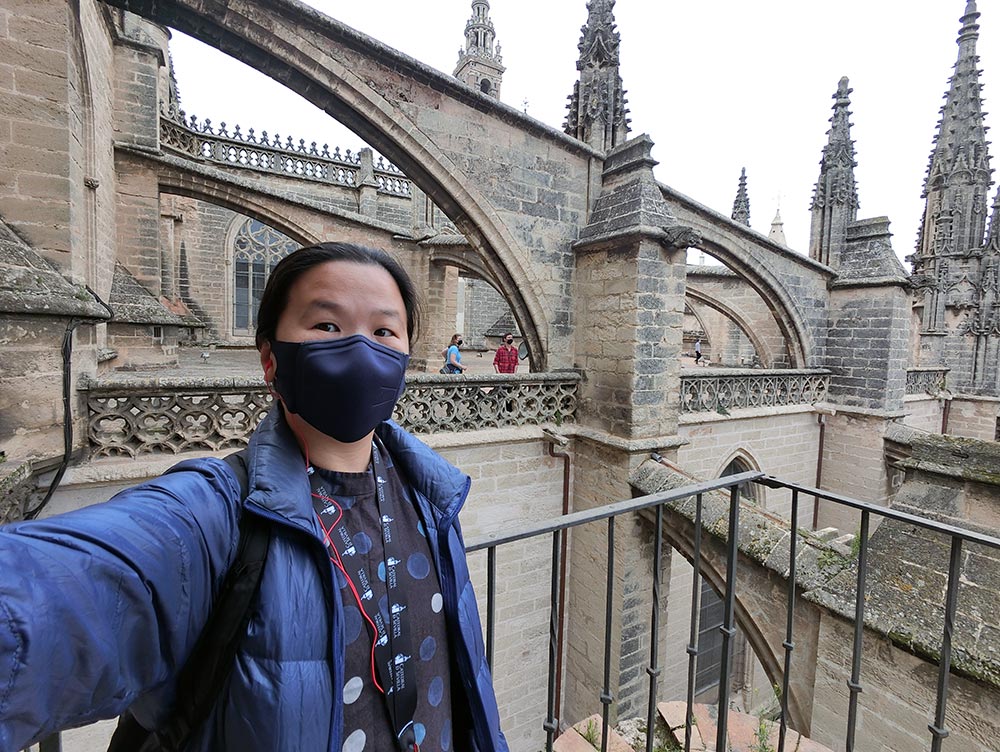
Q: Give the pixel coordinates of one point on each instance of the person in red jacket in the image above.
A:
(505, 360)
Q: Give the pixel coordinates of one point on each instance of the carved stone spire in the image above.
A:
(480, 63)
(597, 111)
(958, 177)
(955, 267)
(835, 199)
(741, 206)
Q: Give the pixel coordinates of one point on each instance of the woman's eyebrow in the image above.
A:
(335, 307)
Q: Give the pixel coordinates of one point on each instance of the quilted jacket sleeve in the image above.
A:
(103, 604)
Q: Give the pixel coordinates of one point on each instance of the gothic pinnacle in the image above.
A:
(597, 108)
(741, 206)
(835, 198)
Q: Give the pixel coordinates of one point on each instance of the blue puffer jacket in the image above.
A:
(100, 607)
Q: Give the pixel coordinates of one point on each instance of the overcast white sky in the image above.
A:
(718, 85)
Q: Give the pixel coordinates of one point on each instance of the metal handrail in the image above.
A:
(556, 526)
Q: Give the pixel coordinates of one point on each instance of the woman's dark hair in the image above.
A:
(275, 298)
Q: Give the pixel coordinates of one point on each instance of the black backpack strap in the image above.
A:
(201, 679)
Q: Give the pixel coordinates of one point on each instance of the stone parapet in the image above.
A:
(133, 416)
(724, 389)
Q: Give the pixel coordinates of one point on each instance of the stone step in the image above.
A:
(745, 732)
(585, 736)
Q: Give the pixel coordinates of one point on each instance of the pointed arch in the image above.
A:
(312, 55)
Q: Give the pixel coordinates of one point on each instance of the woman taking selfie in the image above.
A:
(353, 640)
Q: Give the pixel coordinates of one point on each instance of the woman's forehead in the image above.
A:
(342, 283)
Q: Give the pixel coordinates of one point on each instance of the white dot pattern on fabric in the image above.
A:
(352, 690)
(359, 539)
(355, 742)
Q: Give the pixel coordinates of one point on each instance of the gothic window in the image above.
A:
(256, 250)
(708, 664)
(748, 491)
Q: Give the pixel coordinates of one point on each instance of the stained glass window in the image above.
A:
(256, 250)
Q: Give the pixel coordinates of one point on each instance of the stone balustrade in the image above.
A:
(724, 389)
(130, 416)
(269, 153)
(926, 380)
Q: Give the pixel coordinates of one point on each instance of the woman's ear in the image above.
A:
(267, 362)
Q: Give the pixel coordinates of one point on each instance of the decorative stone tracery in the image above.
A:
(173, 415)
(722, 391)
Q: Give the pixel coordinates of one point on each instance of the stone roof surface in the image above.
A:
(134, 304)
(907, 570)
(30, 285)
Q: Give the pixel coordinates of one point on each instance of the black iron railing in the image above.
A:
(558, 527)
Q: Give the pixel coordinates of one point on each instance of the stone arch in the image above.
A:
(464, 259)
(741, 455)
(219, 193)
(793, 287)
(299, 47)
(781, 305)
(730, 313)
(688, 308)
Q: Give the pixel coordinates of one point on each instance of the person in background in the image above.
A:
(697, 351)
(505, 359)
(453, 355)
(365, 632)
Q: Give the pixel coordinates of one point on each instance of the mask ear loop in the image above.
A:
(269, 383)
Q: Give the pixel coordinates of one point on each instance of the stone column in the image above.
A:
(367, 186)
(868, 352)
(630, 288)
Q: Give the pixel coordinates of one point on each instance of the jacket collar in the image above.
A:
(279, 483)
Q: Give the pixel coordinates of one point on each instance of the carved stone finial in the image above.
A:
(597, 107)
(741, 206)
(835, 197)
(959, 173)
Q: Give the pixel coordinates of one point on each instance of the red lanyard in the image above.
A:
(392, 652)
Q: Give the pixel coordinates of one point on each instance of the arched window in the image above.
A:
(485, 86)
(257, 248)
(710, 618)
(737, 465)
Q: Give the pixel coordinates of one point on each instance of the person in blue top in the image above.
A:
(453, 355)
(364, 635)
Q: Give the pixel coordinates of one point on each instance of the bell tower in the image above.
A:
(480, 63)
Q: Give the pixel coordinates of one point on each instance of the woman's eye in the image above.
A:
(326, 326)
(383, 332)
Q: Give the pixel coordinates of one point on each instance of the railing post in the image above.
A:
(854, 684)
(788, 645)
(551, 724)
(491, 588)
(692, 648)
(938, 729)
(51, 744)
(728, 627)
(606, 697)
(654, 632)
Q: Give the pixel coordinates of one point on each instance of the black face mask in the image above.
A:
(459, 343)
(341, 387)
(508, 341)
